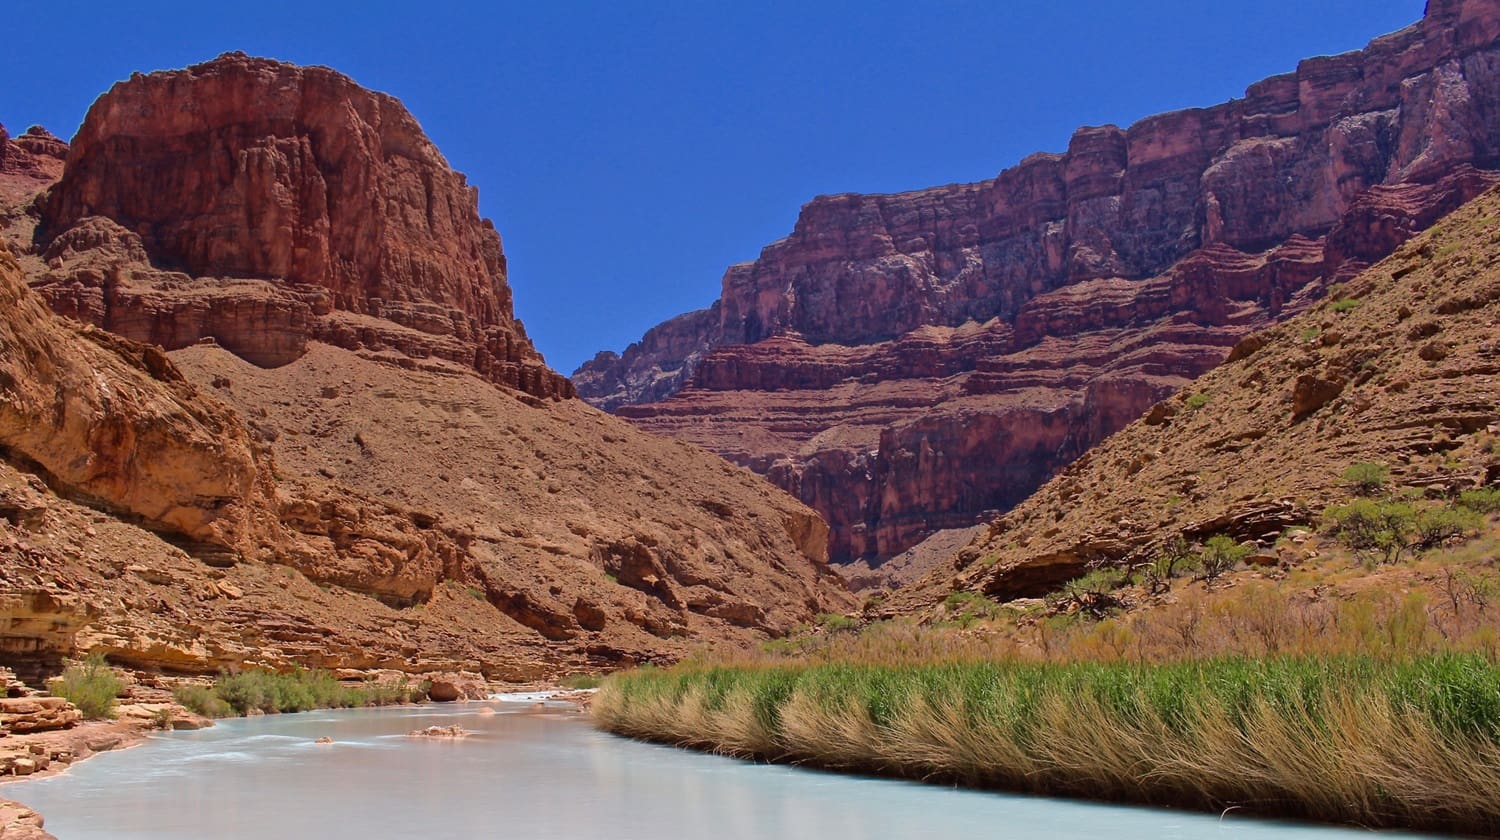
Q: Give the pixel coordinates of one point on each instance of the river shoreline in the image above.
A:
(1351, 741)
(55, 752)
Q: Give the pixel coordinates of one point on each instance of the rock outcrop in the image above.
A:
(351, 457)
(367, 516)
(913, 362)
(334, 215)
(1402, 370)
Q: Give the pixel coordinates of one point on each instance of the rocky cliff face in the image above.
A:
(335, 215)
(322, 471)
(905, 363)
(1404, 371)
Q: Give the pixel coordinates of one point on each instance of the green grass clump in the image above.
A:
(579, 682)
(91, 686)
(298, 690)
(835, 622)
(1344, 305)
(1356, 739)
(1197, 401)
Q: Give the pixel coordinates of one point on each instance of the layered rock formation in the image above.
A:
(1402, 370)
(350, 460)
(335, 215)
(912, 362)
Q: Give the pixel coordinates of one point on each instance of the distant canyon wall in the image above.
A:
(910, 362)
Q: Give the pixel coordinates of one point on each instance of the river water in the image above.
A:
(532, 772)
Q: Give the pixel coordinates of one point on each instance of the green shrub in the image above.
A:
(1175, 556)
(966, 607)
(1483, 500)
(91, 686)
(1377, 528)
(1219, 555)
(835, 622)
(1437, 526)
(203, 700)
(1345, 305)
(292, 691)
(1197, 401)
(1092, 593)
(1365, 478)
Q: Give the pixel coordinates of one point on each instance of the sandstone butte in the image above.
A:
(287, 415)
(921, 361)
(1407, 376)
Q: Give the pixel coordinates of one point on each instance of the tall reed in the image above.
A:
(1360, 740)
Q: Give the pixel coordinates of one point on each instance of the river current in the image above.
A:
(533, 771)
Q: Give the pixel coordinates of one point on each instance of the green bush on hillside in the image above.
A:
(89, 685)
(1484, 500)
(1365, 478)
(1220, 554)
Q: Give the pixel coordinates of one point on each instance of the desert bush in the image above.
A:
(1484, 500)
(91, 686)
(1091, 594)
(965, 607)
(835, 622)
(1435, 527)
(203, 700)
(1175, 556)
(578, 682)
(1197, 401)
(1365, 478)
(1220, 554)
(291, 691)
(1374, 528)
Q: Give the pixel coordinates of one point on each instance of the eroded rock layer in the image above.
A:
(351, 457)
(912, 362)
(1402, 371)
(336, 217)
(196, 513)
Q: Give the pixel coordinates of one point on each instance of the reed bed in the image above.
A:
(1362, 740)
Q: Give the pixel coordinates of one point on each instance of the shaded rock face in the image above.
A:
(1291, 410)
(906, 363)
(114, 422)
(337, 217)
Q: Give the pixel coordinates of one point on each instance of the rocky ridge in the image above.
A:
(914, 362)
(266, 205)
(1400, 367)
(274, 492)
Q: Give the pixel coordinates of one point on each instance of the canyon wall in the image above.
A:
(905, 363)
(291, 419)
(336, 217)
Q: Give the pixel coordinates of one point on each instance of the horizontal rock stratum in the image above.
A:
(905, 363)
(1401, 370)
(293, 420)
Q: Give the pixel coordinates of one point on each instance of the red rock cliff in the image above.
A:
(906, 362)
(337, 217)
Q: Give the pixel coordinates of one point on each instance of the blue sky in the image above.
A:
(629, 152)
